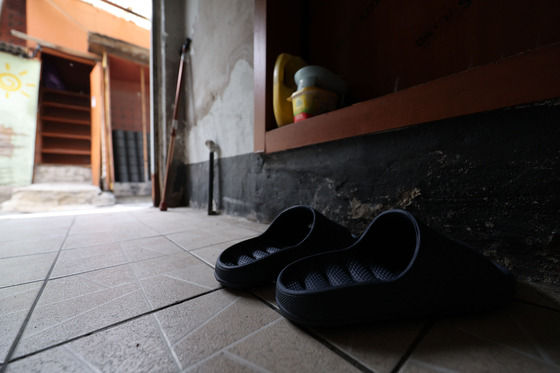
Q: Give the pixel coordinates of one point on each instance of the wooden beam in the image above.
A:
(109, 164)
(144, 126)
(99, 43)
(260, 86)
(59, 48)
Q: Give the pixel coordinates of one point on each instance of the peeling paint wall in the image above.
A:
(219, 78)
(217, 101)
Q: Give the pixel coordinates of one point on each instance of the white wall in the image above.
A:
(218, 90)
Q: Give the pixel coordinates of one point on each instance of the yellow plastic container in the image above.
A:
(283, 86)
(311, 101)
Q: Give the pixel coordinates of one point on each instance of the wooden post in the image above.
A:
(110, 177)
(144, 126)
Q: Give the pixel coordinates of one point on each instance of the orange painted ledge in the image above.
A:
(524, 78)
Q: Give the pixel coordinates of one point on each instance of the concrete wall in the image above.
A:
(167, 35)
(217, 101)
(219, 81)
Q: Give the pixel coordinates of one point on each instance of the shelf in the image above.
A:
(79, 122)
(66, 106)
(65, 151)
(65, 135)
(64, 132)
(66, 93)
(66, 159)
(66, 128)
(73, 99)
(403, 76)
(528, 77)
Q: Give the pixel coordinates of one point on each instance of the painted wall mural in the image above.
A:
(19, 89)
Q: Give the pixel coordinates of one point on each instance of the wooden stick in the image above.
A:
(144, 125)
(185, 48)
(110, 176)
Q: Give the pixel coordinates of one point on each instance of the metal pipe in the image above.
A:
(212, 147)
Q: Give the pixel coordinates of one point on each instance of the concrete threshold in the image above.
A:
(57, 197)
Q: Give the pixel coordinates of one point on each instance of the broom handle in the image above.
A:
(184, 49)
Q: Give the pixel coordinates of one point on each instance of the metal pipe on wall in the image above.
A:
(212, 147)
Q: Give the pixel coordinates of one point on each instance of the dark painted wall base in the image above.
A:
(490, 179)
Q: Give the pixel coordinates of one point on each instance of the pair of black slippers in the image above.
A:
(398, 268)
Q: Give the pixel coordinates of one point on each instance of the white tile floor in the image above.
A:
(133, 290)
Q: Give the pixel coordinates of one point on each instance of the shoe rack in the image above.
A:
(65, 127)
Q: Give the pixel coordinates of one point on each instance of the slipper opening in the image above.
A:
(392, 244)
(291, 227)
(382, 254)
(287, 230)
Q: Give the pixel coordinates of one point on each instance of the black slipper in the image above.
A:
(295, 233)
(398, 268)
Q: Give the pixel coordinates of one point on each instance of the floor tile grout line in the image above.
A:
(147, 300)
(113, 266)
(109, 242)
(262, 299)
(548, 308)
(17, 293)
(190, 251)
(107, 327)
(257, 232)
(19, 335)
(82, 313)
(235, 343)
(136, 239)
(85, 295)
(202, 259)
(81, 359)
(530, 337)
(317, 337)
(412, 347)
(133, 262)
(335, 349)
(167, 342)
(140, 287)
(246, 362)
(186, 231)
(20, 284)
(146, 225)
(158, 234)
(208, 245)
(28, 254)
(433, 367)
(206, 322)
(100, 284)
(541, 356)
(185, 281)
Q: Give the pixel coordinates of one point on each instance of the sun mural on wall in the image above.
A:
(10, 82)
(19, 93)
